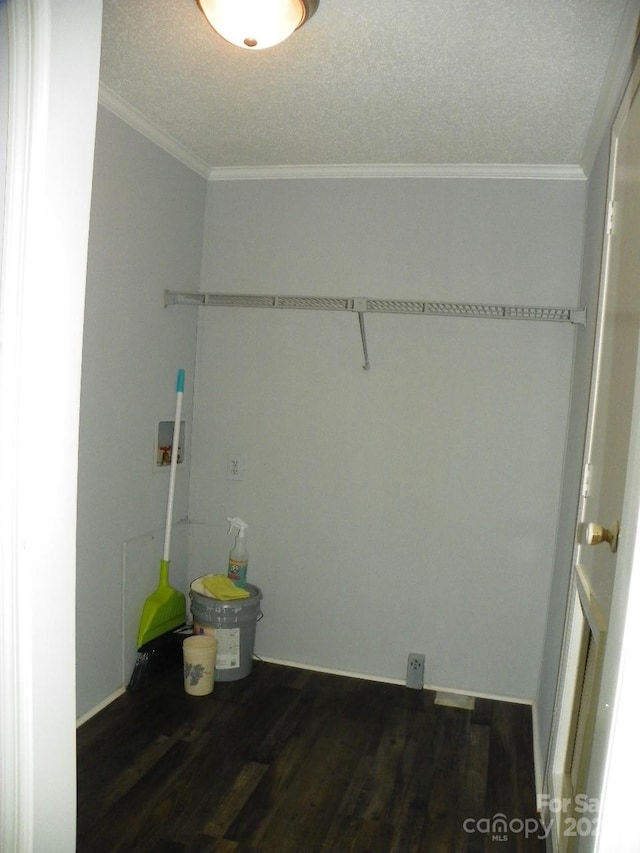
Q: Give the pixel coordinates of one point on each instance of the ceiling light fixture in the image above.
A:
(257, 24)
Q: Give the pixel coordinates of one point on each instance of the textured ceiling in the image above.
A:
(377, 82)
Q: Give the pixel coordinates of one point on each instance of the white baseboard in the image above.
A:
(401, 681)
(99, 707)
(330, 670)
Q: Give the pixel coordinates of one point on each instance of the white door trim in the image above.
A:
(28, 25)
(54, 48)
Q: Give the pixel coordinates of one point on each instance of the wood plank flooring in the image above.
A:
(292, 760)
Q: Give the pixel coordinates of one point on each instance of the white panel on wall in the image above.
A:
(413, 507)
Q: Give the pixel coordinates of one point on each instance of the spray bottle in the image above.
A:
(239, 554)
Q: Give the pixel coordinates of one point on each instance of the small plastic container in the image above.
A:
(199, 655)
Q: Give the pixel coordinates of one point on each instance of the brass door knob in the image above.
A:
(596, 534)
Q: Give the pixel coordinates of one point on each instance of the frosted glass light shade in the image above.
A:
(256, 24)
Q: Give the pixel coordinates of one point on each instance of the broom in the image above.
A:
(164, 610)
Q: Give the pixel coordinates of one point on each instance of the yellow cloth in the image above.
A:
(223, 588)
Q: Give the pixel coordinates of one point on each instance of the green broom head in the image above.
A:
(163, 610)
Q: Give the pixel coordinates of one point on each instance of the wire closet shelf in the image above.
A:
(365, 305)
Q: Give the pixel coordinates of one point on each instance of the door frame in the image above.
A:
(54, 56)
(615, 711)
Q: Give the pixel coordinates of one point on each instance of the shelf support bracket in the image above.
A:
(360, 305)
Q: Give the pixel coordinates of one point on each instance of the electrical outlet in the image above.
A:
(415, 671)
(235, 467)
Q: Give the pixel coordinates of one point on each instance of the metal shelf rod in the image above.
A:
(361, 305)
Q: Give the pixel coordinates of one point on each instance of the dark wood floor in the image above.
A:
(290, 760)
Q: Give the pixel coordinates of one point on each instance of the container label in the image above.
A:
(228, 655)
(238, 571)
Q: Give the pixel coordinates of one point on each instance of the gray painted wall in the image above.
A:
(146, 234)
(411, 508)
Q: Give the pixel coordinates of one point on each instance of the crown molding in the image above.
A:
(131, 116)
(399, 170)
(331, 171)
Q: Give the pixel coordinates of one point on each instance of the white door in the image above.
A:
(605, 493)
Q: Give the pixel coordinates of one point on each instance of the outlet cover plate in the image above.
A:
(415, 671)
(235, 466)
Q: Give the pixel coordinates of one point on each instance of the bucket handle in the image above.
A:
(259, 615)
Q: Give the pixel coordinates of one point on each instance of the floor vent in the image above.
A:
(455, 700)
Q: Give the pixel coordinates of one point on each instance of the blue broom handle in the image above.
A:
(174, 463)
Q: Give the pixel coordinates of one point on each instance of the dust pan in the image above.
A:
(165, 608)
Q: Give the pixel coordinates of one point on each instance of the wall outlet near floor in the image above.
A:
(415, 671)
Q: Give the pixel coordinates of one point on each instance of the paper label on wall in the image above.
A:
(228, 655)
